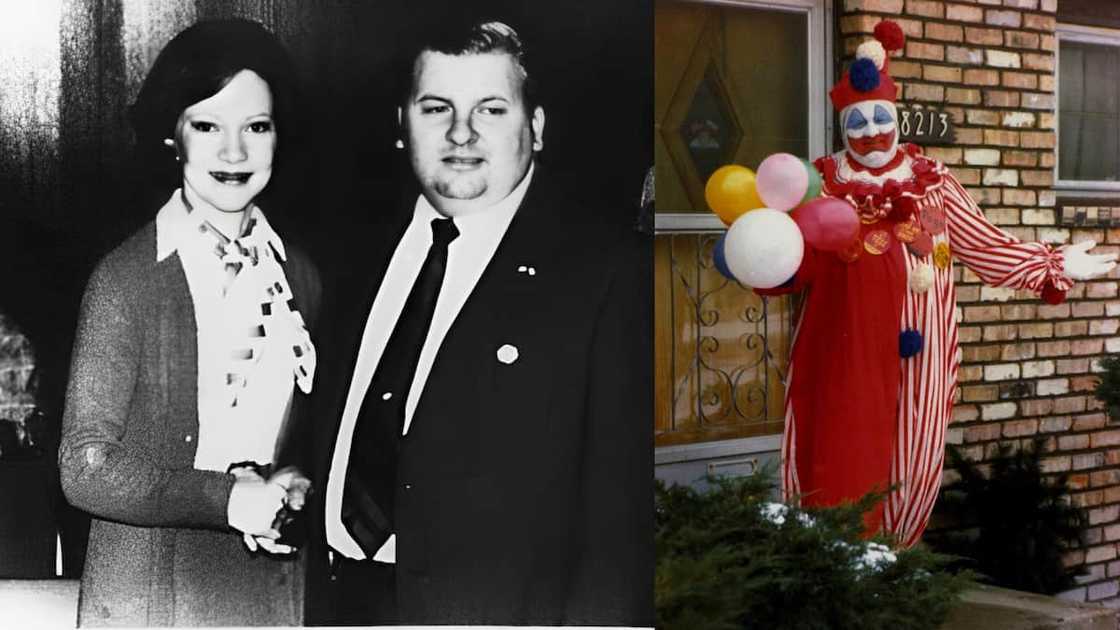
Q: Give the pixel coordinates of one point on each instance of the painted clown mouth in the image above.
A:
(231, 179)
(870, 144)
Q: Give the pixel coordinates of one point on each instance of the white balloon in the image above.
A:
(764, 248)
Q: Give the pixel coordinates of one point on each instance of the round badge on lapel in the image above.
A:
(941, 255)
(508, 354)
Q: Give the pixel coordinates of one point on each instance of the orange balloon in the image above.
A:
(731, 192)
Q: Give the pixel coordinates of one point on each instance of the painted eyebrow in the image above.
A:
(855, 120)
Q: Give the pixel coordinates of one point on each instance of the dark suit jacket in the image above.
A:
(529, 495)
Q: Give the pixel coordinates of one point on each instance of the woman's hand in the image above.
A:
(252, 508)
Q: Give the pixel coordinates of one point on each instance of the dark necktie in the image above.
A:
(369, 495)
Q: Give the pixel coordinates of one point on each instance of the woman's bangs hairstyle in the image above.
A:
(197, 64)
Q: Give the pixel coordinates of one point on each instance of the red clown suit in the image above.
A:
(874, 362)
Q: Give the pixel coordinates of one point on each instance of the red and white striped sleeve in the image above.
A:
(1000, 259)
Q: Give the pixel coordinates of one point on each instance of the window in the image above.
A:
(1088, 109)
(734, 82)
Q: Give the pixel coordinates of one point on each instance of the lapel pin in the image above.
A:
(507, 354)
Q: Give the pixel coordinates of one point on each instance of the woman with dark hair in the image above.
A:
(192, 358)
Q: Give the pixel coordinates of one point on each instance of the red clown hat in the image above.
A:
(867, 78)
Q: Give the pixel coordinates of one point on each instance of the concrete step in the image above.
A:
(994, 608)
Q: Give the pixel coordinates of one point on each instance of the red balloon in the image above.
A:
(827, 223)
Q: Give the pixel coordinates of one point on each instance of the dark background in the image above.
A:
(65, 203)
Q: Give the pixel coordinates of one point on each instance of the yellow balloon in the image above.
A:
(731, 192)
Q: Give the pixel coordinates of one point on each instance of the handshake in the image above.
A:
(264, 506)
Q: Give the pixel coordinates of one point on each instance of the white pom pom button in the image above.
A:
(508, 354)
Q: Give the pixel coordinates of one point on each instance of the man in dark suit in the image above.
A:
(490, 457)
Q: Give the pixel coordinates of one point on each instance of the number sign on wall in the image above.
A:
(925, 125)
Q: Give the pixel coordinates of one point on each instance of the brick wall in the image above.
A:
(17, 373)
(1027, 367)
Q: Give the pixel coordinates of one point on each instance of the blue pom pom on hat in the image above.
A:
(909, 343)
(864, 75)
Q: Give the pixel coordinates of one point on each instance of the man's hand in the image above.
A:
(295, 484)
(1081, 265)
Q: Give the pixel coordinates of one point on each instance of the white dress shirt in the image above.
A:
(467, 257)
(247, 430)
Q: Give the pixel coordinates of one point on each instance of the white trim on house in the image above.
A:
(1082, 35)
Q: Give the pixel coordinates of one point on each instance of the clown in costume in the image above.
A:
(874, 361)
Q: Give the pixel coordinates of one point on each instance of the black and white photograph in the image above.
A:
(326, 313)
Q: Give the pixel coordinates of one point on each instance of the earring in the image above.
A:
(399, 144)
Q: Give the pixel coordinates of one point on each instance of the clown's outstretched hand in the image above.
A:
(1081, 265)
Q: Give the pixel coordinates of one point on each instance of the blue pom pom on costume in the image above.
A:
(864, 75)
(909, 343)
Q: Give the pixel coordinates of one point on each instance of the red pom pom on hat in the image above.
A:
(1052, 295)
(890, 35)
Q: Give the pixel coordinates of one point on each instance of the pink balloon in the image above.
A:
(827, 223)
(782, 181)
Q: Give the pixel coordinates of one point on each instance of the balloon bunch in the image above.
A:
(771, 216)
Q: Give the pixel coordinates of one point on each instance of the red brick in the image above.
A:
(1020, 158)
(1100, 290)
(860, 23)
(981, 313)
(1043, 179)
(979, 392)
(1036, 100)
(983, 36)
(944, 32)
(1038, 140)
(1039, 22)
(1020, 428)
(924, 92)
(1082, 383)
(1090, 422)
(1035, 61)
(966, 176)
(1021, 80)
(1013, 19)
(966, 56)
(965, 413)
(1001, 137)
(1001, 333)
(1072, 366)
(982, 432)
(1037, 330)
(923, 50)
(1069, 404)
(1073, 442)
(1087, 309)
(1046, 160)
(1037, 407)
(943, 74)
(901, 69)
(963, 13)
(981, 116)
(925, 8)
(1107, 438)
(977, 76)
(966, 135)
(1020, 39)
(1048, 42)
(1018, 197)
(1087, 346)
(1001, 98)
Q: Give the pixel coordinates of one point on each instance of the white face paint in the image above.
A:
(870, 132)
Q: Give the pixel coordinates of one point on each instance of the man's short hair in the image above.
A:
(467, 37)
